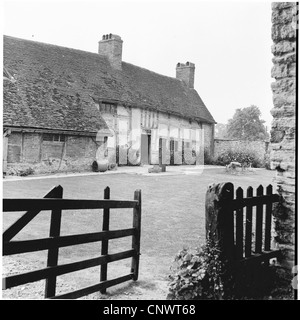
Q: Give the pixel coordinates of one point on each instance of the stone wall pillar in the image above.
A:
(282, 146)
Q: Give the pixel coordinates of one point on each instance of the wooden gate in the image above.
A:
(244, 236)
(53, 201)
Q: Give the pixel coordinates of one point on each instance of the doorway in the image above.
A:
(145, 149)
(172, 149)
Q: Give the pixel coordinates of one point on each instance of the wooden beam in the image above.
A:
(94, 288)
(239, 234)
(254, 201)
(136, 239)
(23, 246)
(63, 204)
(259, 222)
(26, 217)
(104, 248)
(52, 131)
(52, 259)
(32, 276)
(261, 257)
(248, 233)
(268, 220)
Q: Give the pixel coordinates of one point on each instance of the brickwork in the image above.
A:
(29, 150)
(111, 47)
(186, 73)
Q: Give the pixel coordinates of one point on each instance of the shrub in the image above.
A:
(200, 274)
(244, 157)
(23, 172)
(197, 274)
(26, 172)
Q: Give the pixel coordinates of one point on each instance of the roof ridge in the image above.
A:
(89, 52)
(154, 72)
(54, 45)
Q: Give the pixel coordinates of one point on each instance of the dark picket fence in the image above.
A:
(53, 201)
(241, 225)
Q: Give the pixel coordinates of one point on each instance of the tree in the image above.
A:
(220, 131)
(247, 125)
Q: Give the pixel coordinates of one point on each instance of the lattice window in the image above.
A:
(106, 107)
(49, 137)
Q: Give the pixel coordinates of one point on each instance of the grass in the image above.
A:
(173, 215)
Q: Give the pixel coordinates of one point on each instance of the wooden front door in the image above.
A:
(172, 149)
(5, 146)
(145, 149)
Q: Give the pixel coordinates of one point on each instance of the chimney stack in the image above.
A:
(111, 47)
(186, 73)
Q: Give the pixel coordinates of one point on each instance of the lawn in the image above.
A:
(173, 216)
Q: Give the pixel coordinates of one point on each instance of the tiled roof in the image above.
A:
(55, 87)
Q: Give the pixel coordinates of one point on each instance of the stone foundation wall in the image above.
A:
(282, 156)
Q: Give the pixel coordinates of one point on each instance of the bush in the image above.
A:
(244, 157)
(26, 172)
(23, 172)
(198, 274)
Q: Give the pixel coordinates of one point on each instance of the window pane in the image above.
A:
(108, 107)
(47, 137)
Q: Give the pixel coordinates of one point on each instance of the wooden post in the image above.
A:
(268, 220)
(5, 148)
(239, 226)
(52, 260)
(219, 218)
(248, 235)
(104, 249)
(259, 221)
(137, 214)
(27, 217)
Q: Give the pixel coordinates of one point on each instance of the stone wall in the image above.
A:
(282, 156)
(260, 148)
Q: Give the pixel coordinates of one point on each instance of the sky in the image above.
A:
(229, 41)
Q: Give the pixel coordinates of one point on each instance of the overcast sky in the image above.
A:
(229, 42)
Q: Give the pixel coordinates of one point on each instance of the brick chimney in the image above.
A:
(186, 73)
(111, 47)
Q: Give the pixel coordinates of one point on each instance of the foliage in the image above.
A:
(244, 157)
(247, 125)
(26, 172)
(198, 274)
(23, 172)
(221, 131)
